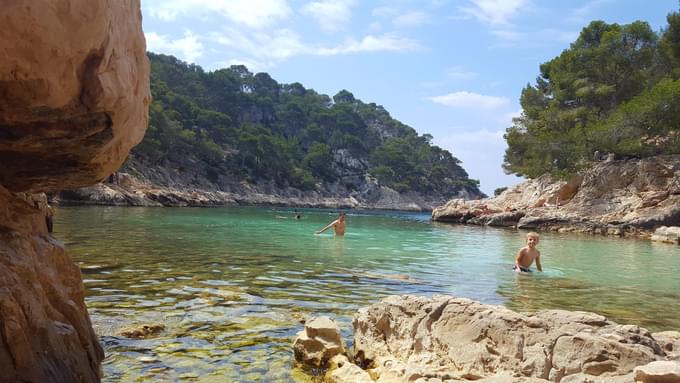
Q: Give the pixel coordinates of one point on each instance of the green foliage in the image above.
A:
(498, 191)
(611, 91)
(236, 125)
(318, 161)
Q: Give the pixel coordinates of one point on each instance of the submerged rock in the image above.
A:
(143, 331)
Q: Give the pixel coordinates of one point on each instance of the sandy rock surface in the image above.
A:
(319, 342)
(406, 338)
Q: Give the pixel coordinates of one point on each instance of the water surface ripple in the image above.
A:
(231, 285)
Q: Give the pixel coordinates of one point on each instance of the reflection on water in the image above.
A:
(231, 286)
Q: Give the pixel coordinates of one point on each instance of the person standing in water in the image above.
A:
(338, 225)
(527, 255)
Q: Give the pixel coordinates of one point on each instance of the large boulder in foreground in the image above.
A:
(74, 95)
(74, 91)
(407, 338)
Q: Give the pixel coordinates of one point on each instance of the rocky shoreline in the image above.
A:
(128, 190)
(445, 339)
(628, 197)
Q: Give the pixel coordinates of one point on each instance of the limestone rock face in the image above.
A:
(74, 91)
(341, 370)
(619, 197)
(407, 338)
(670, 343)
(74, 95)
(45, 332)
(658, 372)
(667, 234)
(318, 342)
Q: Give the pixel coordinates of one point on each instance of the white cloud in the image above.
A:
(252, 65)
(469, 100)
(188, 48)
(331, 15)
(494, 12)
(263, 49)
(277, 45)
(252, 13)
(410, 19)
(370, 43)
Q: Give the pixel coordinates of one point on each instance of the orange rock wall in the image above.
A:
(74, 91)
(74, 96)
(45, 332)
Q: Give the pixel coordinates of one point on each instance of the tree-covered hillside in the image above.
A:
(615, 90)
(240, 126)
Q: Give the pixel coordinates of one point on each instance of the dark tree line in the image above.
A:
(615, 90)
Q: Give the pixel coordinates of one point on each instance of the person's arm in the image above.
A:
(538, 262)
(327, 227)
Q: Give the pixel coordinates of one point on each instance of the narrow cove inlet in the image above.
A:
(231, 286)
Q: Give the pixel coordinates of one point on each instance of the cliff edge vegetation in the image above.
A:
(615, 90)
(221, 130)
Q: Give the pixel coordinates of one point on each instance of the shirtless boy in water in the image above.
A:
(339, 225)
(527, 255)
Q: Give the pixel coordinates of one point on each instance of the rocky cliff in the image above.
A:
(74, 95)
(172, 188)
(615, 197)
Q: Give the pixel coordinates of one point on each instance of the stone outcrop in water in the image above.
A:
(319, 342)
(617, 197)
(667, 234)
(74, 97)
(446, 339)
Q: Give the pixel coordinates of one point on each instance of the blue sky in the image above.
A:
(454, 69)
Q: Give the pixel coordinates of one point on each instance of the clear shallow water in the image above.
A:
(231, 285)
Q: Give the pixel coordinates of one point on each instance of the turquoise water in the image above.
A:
(231, 285)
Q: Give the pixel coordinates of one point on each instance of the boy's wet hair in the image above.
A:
(533, 234)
